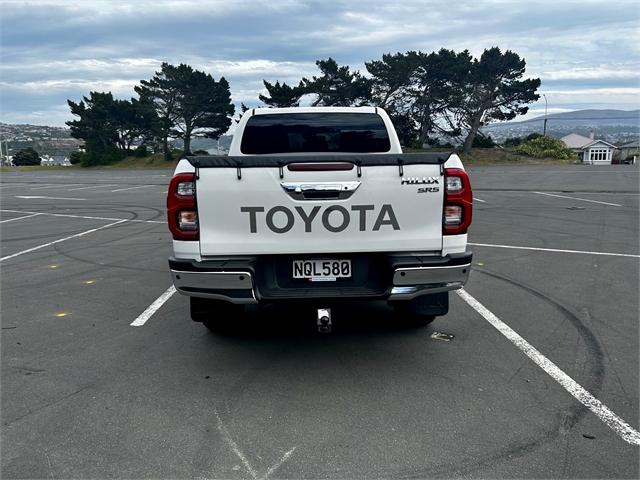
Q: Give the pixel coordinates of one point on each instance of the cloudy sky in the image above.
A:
(587, 53)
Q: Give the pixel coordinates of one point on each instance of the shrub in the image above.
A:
(480, 141)
(142, 151)
(76, 157)
(512, 142)
(105, 157)
(26, 156)
(545, 147)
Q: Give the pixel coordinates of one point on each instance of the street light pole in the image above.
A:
(544, 130)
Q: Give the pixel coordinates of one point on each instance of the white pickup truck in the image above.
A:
(321, 205)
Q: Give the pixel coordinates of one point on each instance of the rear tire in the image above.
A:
(407, 317)
(216, 315)
(423, 310)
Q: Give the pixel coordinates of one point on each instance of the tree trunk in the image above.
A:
(468, 142)
(165, 147)
(187, 143)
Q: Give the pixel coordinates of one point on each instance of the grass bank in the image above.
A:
(477, 156)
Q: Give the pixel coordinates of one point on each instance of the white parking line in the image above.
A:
(153, 308)
(81, 234)
(557, 250)
(29, 197)
(94, 186)
(479, 200)
(20, 218)
(131, 188)
(86, 216)
(613, 421)
(580, 199)
(56, 185)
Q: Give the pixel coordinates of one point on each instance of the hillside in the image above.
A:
(615, 126)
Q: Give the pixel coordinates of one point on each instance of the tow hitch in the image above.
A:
(324, 320)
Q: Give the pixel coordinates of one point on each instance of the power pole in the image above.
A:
(544, 129)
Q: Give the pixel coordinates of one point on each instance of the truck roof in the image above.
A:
(265, 111)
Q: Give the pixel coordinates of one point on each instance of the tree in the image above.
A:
(96, 124)
(109, 127)
(282, 95)
(337, 86)
(76, 157)
(437, 90)
(26, 156)
(420, 91)
(189, 103)
(494, 92)
(134, 120)
(162, 92)
(391, 80)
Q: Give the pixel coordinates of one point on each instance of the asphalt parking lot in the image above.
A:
(87, 395)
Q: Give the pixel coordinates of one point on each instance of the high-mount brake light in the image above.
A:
(458, 202)
(182, 211)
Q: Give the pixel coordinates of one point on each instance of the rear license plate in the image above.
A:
(322, 270)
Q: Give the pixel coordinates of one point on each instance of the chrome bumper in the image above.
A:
(411, 282)
(237, 285)
(234, 287)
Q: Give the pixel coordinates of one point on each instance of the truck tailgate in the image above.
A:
(320, 211)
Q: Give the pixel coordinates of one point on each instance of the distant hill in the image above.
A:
(58, 140)
(615, 126)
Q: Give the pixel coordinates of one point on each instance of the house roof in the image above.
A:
(573, 140)
(595, 142)
(632, 144)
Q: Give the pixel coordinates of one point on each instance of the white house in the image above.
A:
(589, 150)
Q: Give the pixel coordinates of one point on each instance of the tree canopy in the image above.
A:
(429, 96)
(188, 102)
(495, 92)
(26, 156)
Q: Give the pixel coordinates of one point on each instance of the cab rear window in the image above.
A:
(315, 132)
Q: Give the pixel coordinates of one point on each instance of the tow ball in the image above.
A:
(324, 320)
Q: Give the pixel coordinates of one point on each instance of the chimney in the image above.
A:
(591, 135)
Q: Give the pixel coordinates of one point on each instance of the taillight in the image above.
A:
(182, 211)
(458, 202)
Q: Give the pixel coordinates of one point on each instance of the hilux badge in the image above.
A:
(420, 180)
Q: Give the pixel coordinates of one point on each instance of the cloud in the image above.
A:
(53, 49)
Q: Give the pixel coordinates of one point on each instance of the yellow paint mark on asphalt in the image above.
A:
(53, 266)
(480, 264)
(89, 282)
(61, 314)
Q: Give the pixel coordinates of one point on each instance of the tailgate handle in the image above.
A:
(320, 190)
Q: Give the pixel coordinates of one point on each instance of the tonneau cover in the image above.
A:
(360, 159)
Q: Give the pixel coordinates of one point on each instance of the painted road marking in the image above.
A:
(54, 185)
(20, 218)
(153, 308)
(575, 198)
(94, 186)
(617, 424)
(514, 247)
(131, 188)
(234, 446)
(85, 216)
(48, 198)
(479, 200)
(81, 234)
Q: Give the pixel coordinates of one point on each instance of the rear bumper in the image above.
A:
(243, 280)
